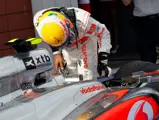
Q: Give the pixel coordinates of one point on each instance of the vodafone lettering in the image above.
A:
(85, 59)
(92, 89)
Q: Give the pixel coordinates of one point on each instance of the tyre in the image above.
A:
(135, 66)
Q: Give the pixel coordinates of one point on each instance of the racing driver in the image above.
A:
(76, 39)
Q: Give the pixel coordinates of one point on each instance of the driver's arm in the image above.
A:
(58, 59)
(99, 30)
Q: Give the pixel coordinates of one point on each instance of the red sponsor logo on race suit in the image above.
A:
(92, 89)
(80, 41)
(99, 35)
(83, 39)
(85, 59)
(92, 28)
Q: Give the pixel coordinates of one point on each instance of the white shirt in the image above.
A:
(146, 7)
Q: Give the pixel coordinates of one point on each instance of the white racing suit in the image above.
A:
(84, 59)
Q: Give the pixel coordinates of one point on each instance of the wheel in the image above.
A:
(135, 66)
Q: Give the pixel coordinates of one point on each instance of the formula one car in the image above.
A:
(29, 90)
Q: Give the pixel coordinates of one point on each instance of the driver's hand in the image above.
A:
(58, 62)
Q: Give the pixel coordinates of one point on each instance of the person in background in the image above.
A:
(146, 24)
(76, 39)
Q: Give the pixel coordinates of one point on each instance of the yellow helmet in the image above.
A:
(53, 34)
(52, 27)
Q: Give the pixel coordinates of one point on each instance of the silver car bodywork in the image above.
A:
(51, 99)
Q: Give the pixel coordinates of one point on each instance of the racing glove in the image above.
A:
(102, 64)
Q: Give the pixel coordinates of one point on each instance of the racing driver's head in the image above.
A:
(54, 28)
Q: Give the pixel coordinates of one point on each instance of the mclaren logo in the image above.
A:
(31, 63)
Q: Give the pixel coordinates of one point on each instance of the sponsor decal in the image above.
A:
(64, 27)
(83, 39)
(80, 41)
(31, 63)
(92, 89)
(99, 35)
(141, 110)
(92, 29)
(85, 59)
(42, 59)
